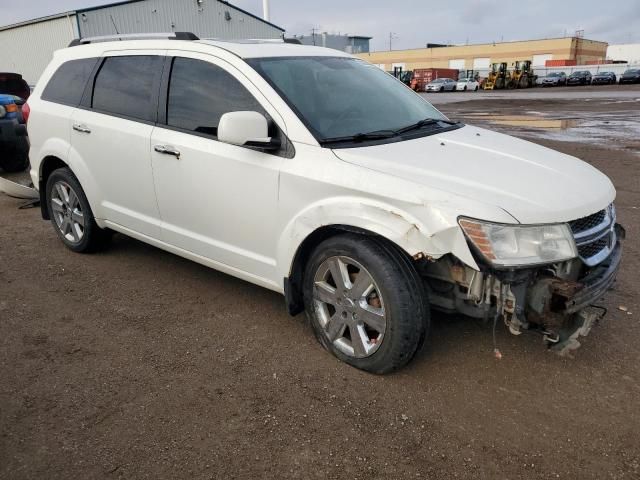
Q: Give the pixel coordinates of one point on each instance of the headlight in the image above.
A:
(515, 245)
(3, 111)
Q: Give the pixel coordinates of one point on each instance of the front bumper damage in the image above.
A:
(565, 310)
(557, 301)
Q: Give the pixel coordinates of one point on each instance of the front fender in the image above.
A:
(399, 227)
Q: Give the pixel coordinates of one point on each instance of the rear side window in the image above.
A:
(67, 84)
(200, 93)
(127, 86)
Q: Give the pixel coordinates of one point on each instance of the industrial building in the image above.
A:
(628, 52)
(27, 47)
(574, 50)
(346, 43)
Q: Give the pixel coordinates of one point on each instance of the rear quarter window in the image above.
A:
(68, 82)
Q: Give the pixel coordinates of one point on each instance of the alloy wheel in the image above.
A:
(349, 307)
(67, 212)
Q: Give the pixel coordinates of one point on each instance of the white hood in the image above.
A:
(533, 183)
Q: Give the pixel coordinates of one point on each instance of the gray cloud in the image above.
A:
(416, 22)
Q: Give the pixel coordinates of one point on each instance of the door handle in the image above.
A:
(81, 128)
(167, 150)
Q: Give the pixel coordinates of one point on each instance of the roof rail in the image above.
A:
(134, 36)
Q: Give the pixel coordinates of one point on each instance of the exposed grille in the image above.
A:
(591, 249)
(587, 223)
(594, 235)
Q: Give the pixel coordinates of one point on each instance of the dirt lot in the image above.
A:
(134, 363)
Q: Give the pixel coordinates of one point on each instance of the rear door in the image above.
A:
(217, 201)
(110, 136)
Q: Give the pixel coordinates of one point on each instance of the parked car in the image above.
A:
(468, 84)
(630, 76)
(604, 78)
(14, 84)
(554, 79)
(14, 144)
(441, 85)
(582, 77)
(311, 173)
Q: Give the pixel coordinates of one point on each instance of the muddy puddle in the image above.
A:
(615, 129)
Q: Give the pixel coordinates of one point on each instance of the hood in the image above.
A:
(533, 183)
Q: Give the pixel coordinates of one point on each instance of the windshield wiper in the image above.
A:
(424, 123)
(360, 137)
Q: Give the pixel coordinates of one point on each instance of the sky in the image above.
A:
(413, 23)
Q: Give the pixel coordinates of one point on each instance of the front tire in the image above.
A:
(365, 302)
(71, 214)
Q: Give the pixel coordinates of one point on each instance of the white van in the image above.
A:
(317, 175)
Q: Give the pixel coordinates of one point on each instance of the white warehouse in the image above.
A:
(27, 47)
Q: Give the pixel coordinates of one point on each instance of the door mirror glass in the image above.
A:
(248, 129)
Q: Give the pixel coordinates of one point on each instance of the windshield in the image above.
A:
(339, 97)
(632, 71)
(554, 74)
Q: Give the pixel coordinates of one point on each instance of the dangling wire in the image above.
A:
(496, 352)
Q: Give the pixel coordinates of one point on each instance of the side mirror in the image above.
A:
(247, 129)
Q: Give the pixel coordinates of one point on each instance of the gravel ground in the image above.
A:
(134, 363)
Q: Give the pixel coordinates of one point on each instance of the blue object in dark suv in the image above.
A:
(14, 143)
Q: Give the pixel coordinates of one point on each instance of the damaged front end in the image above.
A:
(555, 299)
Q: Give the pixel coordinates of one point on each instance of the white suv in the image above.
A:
(319, 176)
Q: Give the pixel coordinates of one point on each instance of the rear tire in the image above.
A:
(365, 302)
(71, 214)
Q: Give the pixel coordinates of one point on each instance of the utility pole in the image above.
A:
(392, 36)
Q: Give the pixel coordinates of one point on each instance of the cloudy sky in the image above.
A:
(416, 22)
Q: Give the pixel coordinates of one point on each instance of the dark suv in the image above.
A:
(582, 77)
(14, 144)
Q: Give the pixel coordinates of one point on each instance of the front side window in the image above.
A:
(126, 86)
(68, 82)
(340, 97)
(200, 93)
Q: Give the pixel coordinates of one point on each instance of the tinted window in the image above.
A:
(67, 84)
(200, 93)
(126, 86)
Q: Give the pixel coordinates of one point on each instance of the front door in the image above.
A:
(216, 200)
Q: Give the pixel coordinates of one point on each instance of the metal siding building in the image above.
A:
(347, 43)
(207, 19)
(27, 47)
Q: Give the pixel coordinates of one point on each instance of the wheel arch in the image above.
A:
(60, 155)
(48, 165)
(341, 215)
(293, 282)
